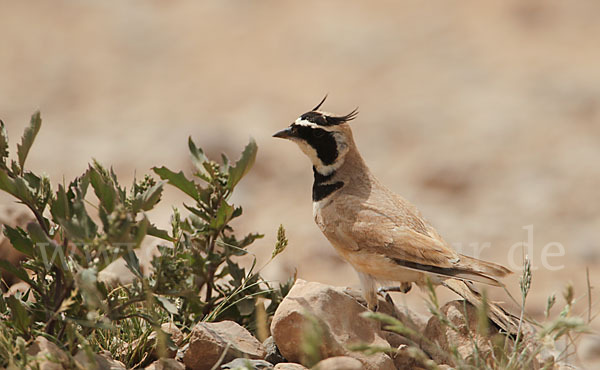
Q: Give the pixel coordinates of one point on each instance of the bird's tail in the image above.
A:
(483, 267)
(504, 320)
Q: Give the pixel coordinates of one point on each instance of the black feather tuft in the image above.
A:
(321, 103)
(338, 120)
(326, 120)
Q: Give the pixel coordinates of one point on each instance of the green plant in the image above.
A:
(204, 247)
(195, 276)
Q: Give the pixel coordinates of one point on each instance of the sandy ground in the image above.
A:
(485, 115)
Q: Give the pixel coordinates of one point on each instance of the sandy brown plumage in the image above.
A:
(382, 235)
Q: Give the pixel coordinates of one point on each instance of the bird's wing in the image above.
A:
(398, 234)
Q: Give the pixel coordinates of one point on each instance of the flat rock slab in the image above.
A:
(288, 366)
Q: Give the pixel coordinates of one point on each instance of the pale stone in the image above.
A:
(288, 366)
(166, 364)
(48, 356)
(209, 340)
(339, 363)
(102, 361)
(333, 316)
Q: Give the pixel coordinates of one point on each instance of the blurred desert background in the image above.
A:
(486, 115)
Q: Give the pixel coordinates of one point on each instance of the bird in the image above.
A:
(383, 236)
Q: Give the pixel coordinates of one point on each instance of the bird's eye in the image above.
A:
(318, 133)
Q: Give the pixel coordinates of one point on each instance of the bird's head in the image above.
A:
(325, 138)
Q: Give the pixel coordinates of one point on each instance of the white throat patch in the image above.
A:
(311, 153)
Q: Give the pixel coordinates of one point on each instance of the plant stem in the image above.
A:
(39, 218)
(589, 294)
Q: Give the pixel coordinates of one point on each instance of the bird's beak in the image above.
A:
(284, 134)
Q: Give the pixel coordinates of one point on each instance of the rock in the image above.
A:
(329, 318)
(288, 366)
(176, 337)
(48, 356)
(464, 338)
(395, 340)
(20, 287)
(339, 363)
(174, 332)
(410, 319)
(168, 328)
(273, 354)
(402, 358)
(166, 364)
(101, 361)
(246, 364)
(209, 340)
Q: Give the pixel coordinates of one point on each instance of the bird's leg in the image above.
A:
(369, 292)
(404, 288)
(388, 299)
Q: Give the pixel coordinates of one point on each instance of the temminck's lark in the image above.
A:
(379, 233)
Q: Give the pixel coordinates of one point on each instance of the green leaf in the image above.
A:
(28, 137)
(7, 184)
(37, 234)
(104, 189)
(198, 212)
(178, 180)
(246, 306)
(133, 263)
(243, 165)
(79, 228)
(48, 250)
(167, 305)
(79, 224)
(225, 166)
(159, 233)
(15, 167)
(60, 206)
(148, 199)
(18, 313)
(205, 195)
(223, 215)
(236, 247)
(17, 187)
(19, 240)
(237, 212)
(3, 145)
(142, 231)
(198, 156)
(237, 273)
(121, 192)
(32, 179)
(40, 188)
(103, 216)
(17, 271)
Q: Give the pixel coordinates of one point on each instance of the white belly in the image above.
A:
(380, 267)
